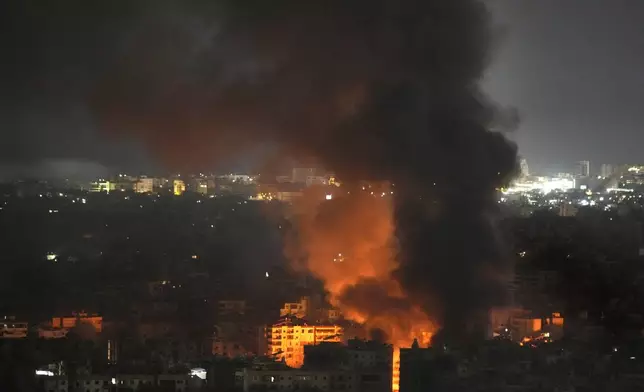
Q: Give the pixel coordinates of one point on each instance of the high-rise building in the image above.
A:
(607, 169)
(287, 338)
(416, 365)
(525, 170)
(583, 169)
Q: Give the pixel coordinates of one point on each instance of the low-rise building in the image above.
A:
(144, 185)
(297, 379)
(47, 332)
(68, 322)
(119, 382)
(225, 307)
(12, 329)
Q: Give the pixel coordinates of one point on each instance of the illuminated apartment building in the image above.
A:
(102, 186)
(144, 185)
(287, 338)
(178, 187)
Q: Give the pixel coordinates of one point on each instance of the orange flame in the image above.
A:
(349, 242)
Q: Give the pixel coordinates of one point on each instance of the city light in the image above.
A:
(198, 372)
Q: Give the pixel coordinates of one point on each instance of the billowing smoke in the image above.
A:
(378, 90)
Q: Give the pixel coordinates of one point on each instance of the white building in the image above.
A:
(607, 170)
(583, 169)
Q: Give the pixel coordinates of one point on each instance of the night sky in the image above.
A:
(573, 68)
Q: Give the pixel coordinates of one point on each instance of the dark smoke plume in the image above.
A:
(372, 89)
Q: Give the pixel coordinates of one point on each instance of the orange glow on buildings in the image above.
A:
(361, 228)
(287, 338)
(71, 321)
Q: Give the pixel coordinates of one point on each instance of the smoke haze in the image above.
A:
(373, 90)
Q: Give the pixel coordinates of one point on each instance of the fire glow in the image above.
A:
(362, 286)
